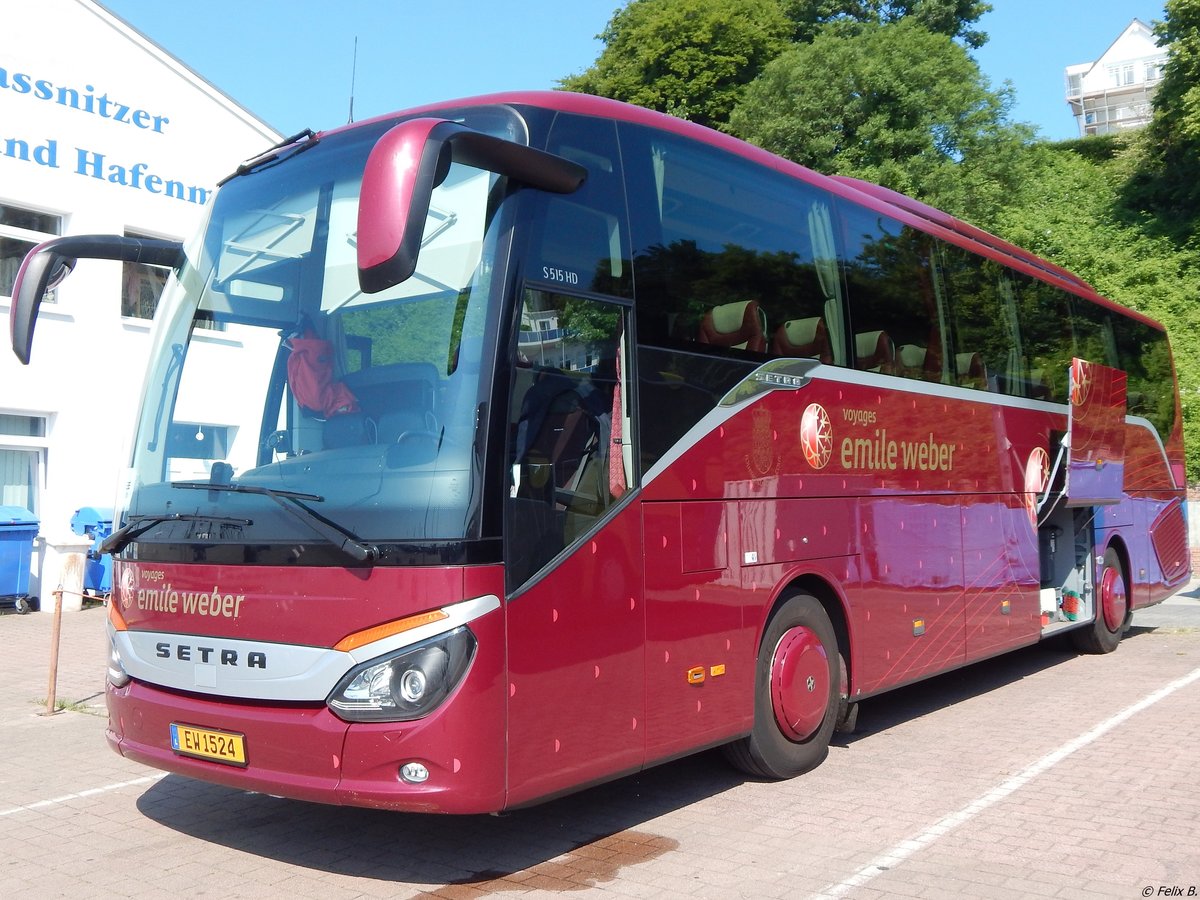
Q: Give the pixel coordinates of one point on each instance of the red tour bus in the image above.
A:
(500, 448)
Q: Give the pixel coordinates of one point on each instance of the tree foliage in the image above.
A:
(953, 18)
(894, 104)
(1165, 181)
(692, 58)
(1177, 102)
(688, 58)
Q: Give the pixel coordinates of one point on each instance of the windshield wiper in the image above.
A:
(289, 501)
(301, 140)
(138, 525)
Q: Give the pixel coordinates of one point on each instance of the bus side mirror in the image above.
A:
(47, 264)
(404, 167)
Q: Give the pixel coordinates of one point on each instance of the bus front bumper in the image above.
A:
(304, 752)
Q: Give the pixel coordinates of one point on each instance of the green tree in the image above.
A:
(689, 58)
(1166, 181)
(893, 104)
(953, 18)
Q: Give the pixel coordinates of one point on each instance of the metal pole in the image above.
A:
(55, 633)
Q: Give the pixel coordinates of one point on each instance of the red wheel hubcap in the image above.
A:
(1113, 601)
(799, 683)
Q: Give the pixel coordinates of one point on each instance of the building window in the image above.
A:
(22, 460)
(21, 230)
(1120, 75)
(141, 287)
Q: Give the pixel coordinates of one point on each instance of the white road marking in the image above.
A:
(90, 792)
(894, 856)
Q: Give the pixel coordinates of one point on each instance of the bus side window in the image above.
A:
(581, 240)
(570, 448)
(987, 343)
(1094, 336)
(896, 308)
(1145, 356)
(734, 262)
(726, 252)
(1047, 337)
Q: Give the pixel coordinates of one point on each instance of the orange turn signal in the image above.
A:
(387, 629)
(114, 615)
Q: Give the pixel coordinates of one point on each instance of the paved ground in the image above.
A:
(1040, 774)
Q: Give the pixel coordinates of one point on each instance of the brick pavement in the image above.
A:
(1120, 813)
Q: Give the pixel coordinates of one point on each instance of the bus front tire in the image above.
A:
(1112, 610)
(797, 685)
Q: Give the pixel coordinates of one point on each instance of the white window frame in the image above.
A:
(141, 233)
(29, 235)
(39, 444)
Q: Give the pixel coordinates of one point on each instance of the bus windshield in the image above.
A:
(286, 406)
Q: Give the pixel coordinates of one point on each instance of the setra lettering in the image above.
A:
(254, 659)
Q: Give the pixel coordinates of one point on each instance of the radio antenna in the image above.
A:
(353, 72)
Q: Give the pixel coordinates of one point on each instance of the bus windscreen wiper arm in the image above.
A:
(290, 502)
(139, 525)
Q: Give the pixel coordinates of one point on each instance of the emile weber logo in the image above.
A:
(165, 598)
(873, 452)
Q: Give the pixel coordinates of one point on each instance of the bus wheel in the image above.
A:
(796, 691)
(1112, 610)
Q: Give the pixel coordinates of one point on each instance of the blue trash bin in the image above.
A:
(95, 522)
(18, 528)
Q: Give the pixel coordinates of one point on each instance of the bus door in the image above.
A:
(575, 615)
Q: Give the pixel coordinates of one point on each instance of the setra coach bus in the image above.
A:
(499, 448)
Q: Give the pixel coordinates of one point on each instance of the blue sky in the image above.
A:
(289, 61)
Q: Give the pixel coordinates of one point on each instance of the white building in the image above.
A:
(1114, 93)
(101, 131)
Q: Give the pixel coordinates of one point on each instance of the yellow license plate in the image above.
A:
(206, 743)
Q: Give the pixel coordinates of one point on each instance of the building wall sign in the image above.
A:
(85, 100)
(90, 161)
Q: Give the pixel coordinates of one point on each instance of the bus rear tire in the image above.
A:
(1112, 610)
(797, 685)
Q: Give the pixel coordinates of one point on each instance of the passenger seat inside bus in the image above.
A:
(910, 361)
(395, 400)
(741, 325)
(874, 352)
(971, 370)
(803, 337)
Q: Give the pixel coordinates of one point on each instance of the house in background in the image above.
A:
(101, 131)
(1114, 93)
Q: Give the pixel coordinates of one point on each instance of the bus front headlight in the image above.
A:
(405, 685)
(117, 676)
